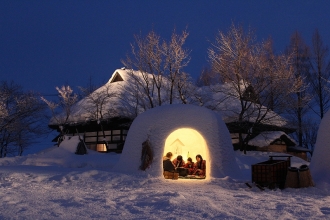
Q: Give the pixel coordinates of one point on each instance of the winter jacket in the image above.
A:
(200, 168)
(177, 163)
(168, 165)
(190, 167)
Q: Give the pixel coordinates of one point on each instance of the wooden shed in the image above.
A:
(277, 141)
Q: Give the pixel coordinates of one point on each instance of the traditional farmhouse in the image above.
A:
(104, 117)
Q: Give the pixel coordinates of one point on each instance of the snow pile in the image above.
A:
(320, 166)
(70, 143)
(158, 123)
(65, 157)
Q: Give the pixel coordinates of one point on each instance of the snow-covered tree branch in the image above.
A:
(62, 109)
(160, 64)
(262, 81)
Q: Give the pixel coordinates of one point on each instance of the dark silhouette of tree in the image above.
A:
(319, 75)
(301, 67)
(21, 119)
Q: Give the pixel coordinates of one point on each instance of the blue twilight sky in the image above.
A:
(48, 43)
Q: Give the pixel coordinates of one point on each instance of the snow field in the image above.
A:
(61, 191)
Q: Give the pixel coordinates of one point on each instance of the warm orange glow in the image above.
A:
(186, 142)
(101, 147)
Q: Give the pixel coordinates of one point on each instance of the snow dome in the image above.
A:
(187, 130)
(320, 166)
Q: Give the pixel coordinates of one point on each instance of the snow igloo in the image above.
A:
(319, 165)
(185, 130)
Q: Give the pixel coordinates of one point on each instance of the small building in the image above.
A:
(277, 141)
(299, 152)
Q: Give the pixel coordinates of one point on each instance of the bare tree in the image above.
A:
(320, 74)
(97, 104)
(301, 67)
(160, 66)
(207, 77)
(254, 75)
(62, 109)
(21, 119)
(176, 58)
(88, 89)
(185, 88)
(309, 133)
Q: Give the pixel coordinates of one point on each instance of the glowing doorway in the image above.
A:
(186, 142)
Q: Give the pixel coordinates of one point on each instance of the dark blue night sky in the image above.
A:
(44, 44)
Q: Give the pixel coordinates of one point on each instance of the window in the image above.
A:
(117, 78)
(112, 137)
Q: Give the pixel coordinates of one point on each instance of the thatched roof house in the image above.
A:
(104, 117)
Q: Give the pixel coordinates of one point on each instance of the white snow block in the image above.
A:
(158, 123)
(320, 166)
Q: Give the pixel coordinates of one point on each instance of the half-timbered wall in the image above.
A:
(104, 141)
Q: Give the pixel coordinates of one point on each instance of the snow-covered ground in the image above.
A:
(57, 184)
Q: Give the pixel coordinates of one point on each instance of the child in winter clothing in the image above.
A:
(178, 162)
(190, 166)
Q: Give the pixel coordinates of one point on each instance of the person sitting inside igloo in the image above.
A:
(179, 164)
(167, 163)
(200, 166)
(190, 166)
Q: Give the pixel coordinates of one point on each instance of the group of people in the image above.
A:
(197, 168)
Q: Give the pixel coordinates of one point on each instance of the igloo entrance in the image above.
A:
(187, 142)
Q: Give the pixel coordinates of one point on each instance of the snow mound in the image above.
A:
(320, 166)
(158, 123)
(70, 143)
(64, 156)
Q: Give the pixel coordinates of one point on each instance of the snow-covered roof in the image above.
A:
(227, 105)
(86, 109)
(266, 138)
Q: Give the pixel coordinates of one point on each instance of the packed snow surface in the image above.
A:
(320, 166)
(57, 184)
